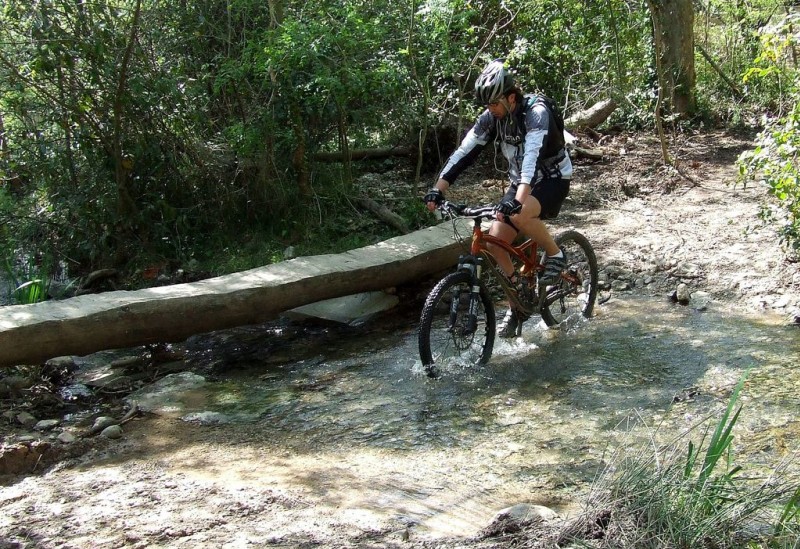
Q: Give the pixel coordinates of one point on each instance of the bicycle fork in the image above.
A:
(474, 266)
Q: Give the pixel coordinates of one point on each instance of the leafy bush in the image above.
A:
(774, 160)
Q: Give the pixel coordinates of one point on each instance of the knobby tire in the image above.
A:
(565, 299)
(442, 336)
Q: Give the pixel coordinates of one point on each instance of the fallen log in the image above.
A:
(578, 150)
(30, 334)
(593, 116)
(384, 214)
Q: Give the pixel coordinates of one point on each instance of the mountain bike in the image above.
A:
(458, 319)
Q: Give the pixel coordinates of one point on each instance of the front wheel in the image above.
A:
(574, 295)
(456, 326)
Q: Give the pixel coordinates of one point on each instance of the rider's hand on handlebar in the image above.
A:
(433, 199)
(509, 207)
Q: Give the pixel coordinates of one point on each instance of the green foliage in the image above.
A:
(774, 160)
(31, 281)
(144, 128)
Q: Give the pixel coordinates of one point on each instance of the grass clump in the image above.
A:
(687, 495)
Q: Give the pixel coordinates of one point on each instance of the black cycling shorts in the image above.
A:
(549, 192)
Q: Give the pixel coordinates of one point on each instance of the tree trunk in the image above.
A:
(673, 22)
(123, 164)
(299, 161)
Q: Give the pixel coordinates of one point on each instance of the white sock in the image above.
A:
(559, 254)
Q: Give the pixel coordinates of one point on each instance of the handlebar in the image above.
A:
(487, 211)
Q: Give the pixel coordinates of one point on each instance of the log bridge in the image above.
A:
(30, 334)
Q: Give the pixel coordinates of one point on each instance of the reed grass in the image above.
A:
(687, 495)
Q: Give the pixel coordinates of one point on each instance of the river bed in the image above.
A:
(355, 429)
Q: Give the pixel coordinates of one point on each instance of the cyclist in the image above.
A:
(539, 171)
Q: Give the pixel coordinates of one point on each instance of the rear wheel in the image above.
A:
(447, 333)
(574, 295)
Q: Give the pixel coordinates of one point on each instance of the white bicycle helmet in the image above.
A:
(493, 82)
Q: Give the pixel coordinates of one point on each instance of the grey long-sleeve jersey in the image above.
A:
(521, 146)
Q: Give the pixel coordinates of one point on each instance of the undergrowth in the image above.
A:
(687, 495)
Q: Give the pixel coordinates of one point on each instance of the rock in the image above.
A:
(46, 424)
(112, 432)
(59, 370)
(615, 271)
(514, 518)
(75, 392)
(66, 438)
(699, 301)
(62, 362)
(25, 419)
(102, 423)
(620, 286)
(687, 270)
(9, 416)
(164, 396)
(781, 302)
(207, 418)
(682, 294)
(22, 458)
(13, 385)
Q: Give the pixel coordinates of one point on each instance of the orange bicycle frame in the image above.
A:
(525, 252)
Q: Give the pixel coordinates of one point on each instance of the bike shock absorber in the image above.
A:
(475, 267)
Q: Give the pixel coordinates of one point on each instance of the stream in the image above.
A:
(348, 418)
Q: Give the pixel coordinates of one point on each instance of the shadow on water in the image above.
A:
(536, 424)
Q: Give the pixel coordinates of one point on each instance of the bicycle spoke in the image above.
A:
(449, 335)
(573, 297)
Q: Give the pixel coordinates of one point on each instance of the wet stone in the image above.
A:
(75, 392)
(46, 424)
(207, 418)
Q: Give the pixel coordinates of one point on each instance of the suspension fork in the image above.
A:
(474, 266)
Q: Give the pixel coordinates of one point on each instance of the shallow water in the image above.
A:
(538, 424)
